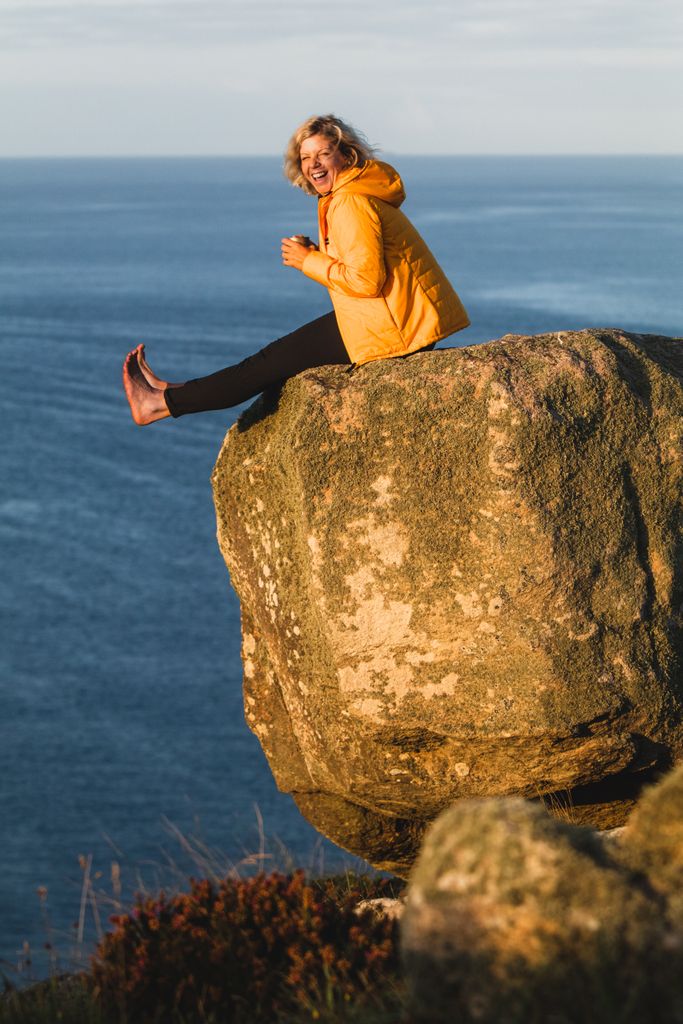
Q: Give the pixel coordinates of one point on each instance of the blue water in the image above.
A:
(120, 673)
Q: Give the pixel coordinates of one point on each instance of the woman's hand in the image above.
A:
(295, 250)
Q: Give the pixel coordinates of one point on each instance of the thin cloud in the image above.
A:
(184, 22)
(208, 76)
(471, 24)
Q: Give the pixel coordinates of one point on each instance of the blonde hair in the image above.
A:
(350, 143)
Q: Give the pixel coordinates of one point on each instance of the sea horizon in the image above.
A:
(398, 154)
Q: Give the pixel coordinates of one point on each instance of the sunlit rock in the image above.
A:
(460, 576)
(513, 916)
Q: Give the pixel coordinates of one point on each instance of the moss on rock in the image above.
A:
(652, 842)
(513, 916)
(460, 575)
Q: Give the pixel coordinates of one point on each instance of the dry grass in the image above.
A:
(66, 995)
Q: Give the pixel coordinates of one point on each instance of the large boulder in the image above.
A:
(513, 916)
(460, 576)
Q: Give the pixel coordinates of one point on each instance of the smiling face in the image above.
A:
(321, 162)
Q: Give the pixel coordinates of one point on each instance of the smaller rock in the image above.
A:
(391, 909)
(652, 840)
(513, 916)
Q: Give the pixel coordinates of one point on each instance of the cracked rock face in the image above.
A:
(460, 576)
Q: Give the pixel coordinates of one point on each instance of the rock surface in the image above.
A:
(513, 916)
(460, 575)
(652, 841)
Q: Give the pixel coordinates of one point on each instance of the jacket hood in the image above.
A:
(374, 178)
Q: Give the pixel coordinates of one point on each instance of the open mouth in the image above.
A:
(319, 175)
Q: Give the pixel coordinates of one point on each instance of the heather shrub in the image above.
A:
(246, 950)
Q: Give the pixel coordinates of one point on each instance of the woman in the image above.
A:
(389, 294)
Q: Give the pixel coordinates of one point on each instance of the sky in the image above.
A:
(194, 77)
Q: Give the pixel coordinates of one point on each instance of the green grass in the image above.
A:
(68, 999)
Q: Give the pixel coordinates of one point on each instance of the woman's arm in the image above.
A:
(358, 270)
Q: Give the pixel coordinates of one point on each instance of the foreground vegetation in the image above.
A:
(276, 948)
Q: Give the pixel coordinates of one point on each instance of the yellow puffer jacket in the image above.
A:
(390, 296)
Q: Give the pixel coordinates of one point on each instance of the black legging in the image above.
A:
(318, 343)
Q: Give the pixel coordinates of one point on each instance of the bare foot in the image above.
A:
(146, 402)
(149, 375)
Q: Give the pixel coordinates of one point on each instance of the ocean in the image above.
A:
(122, 737)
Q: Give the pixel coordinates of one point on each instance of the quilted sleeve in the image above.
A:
(359, 270)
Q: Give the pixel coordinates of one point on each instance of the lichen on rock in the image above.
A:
(652, 841)
(513, 916)
(460, 576)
